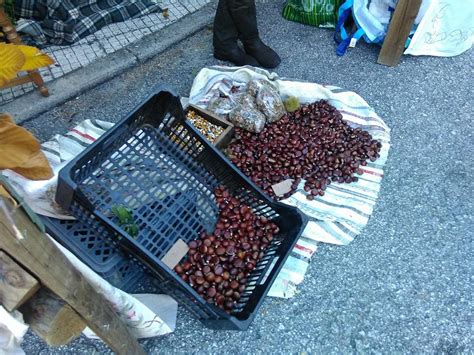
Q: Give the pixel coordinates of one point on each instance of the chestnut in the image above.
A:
(219, 264)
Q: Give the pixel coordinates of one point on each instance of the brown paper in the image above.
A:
(175, 254)
(282, 187)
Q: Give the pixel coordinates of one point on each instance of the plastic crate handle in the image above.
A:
(163, 108)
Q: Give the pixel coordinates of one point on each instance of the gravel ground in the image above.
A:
(405, 284)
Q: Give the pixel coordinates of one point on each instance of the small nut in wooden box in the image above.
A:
(215, 129)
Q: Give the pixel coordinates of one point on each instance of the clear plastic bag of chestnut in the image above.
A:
(217, 265)
(312, 143)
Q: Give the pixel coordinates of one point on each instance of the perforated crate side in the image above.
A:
(88, 245)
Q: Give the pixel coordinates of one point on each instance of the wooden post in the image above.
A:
(30, 247)
(46, 314)
(16, 284)
(52, 319)
(398, 31)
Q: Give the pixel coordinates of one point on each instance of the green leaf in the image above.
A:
(123, 214)
(132, 230)
(125, 218)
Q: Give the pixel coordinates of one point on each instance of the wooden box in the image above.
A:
(225, 137)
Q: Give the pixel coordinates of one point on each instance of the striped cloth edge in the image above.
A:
(345, 209)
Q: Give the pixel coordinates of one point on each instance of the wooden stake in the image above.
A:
(52, 319)
(398, 31)
(16, 284)
(29, 246)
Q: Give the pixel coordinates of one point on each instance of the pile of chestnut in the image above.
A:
(218, 265)
(313, 143)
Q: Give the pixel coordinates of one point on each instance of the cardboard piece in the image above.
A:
(282, 187)
(175, 254)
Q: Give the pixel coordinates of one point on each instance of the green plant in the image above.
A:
(125, 220)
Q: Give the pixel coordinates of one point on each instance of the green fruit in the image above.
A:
(292, 103)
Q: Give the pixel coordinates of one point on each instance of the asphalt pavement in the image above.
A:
(405, 284)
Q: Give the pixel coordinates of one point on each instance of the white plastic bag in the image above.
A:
(382, 9)
(372, 25)
(12, 331)
(442, 28)
(446, 30)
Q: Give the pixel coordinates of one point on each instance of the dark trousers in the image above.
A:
(235, 19)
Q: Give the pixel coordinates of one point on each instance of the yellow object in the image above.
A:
(292, 103)
(34, 59)
(20, 151)
(15, 58)
(11, 63)
(6, 194)
(209, 130)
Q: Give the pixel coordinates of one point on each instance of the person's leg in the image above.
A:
(244, 14)
(226, 37)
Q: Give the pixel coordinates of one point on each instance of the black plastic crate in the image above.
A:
(164, 171)
(85, 239)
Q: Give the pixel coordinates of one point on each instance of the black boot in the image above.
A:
(226, 37)
(244, 13)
